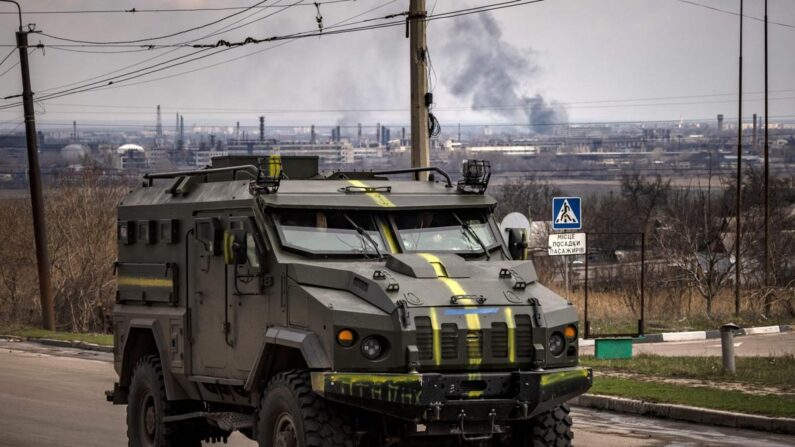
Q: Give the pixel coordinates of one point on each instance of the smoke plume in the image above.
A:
(489, 70)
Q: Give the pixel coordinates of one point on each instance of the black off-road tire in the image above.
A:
(552, 428)
(292, 415)
(148, 406)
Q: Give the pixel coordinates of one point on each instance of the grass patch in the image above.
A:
(770, 371)
(716, 399)
(99, 339)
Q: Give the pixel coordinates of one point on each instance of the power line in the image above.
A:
(7, 56)
(136, 64)
(164, 10)
(148, 39)
(93, 85)
(732, 13)
(470, 125)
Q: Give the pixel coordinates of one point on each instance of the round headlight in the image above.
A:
(556, 344)
(372, 348)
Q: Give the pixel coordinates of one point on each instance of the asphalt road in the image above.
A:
(749, 345)
(54, 397)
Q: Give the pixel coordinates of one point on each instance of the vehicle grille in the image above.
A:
(499, 340)
(475, 344)
(424, 337)
(524, 336)
(449, 341)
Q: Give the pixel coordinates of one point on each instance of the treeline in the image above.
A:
(689, 235)
(81, 222)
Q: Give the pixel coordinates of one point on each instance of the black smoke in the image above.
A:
(489, 70)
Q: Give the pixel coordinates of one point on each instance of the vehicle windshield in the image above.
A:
(330, 232)
(444, 230)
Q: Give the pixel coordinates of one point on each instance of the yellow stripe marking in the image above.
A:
(390, 238)
(437, 337)
(145, 282)
(473, 320)
(511, 334)
(377, 197)
(274, 165)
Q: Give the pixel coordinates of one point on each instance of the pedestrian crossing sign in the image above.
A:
(566, 213)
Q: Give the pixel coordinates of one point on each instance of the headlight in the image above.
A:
(372, 348)
(570, 332)
(556, 344)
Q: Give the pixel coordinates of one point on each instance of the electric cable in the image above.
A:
(149, 39)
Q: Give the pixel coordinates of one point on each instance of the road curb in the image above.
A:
(699, 335)
(686, 413)
(60, 343)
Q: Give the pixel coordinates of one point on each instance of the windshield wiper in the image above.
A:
(365, 235)
(474, 235)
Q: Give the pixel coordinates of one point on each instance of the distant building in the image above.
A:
(131, 157)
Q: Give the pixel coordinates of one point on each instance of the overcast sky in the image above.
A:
(579, 54)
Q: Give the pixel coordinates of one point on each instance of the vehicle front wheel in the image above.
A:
(292, 415)
(552, 428)
(148, 406)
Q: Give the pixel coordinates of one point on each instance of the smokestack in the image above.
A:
(312, 139)
(237, 131)
(459, 132)
(403, 134)
(753, 138)
(359, 135)
(261, 129)
(339, 137)
(720, 122)
(378, 132)
(182, 131)
(159, 128)
(74, 132)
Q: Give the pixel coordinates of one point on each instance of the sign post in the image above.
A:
(566, 215)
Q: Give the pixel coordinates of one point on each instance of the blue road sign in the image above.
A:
(566, 213)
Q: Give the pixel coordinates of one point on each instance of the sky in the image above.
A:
(587, 61)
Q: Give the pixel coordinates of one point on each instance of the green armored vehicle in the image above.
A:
(260, 296)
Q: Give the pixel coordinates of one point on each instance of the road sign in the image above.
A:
(566, 213)
(565, 244)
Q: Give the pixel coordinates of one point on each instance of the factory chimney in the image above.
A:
(159, 129)
(237, 131)
(339, 137)
(753, 137)
(261, 129)
(74, 132)
(312, 139)
(720, 122)
(359, 135)
(378, 132)
(182, 132)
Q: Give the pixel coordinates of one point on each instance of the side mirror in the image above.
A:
(515, 228)
(517, 243)
(235, 243)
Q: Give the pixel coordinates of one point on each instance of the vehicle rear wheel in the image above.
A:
(292, 415)
(552, 428)
(148, 406)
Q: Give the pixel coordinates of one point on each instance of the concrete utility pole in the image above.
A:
(34, 178)
(420, 140)
(738, 236)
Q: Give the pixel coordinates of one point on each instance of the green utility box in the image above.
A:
(613, 348)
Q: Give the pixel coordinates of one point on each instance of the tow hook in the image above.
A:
(525, 409)
(462, 415)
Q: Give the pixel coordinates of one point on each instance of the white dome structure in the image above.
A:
(74, 154)
(123, 149)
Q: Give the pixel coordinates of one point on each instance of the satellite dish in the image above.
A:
(515, 230)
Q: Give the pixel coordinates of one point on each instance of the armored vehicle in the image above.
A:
(257, 295)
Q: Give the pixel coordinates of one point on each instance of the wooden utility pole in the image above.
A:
(767, 183)
(738, 235)
(420, 100)
(34, 179)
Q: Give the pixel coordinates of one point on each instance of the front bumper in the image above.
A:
(431, 397)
